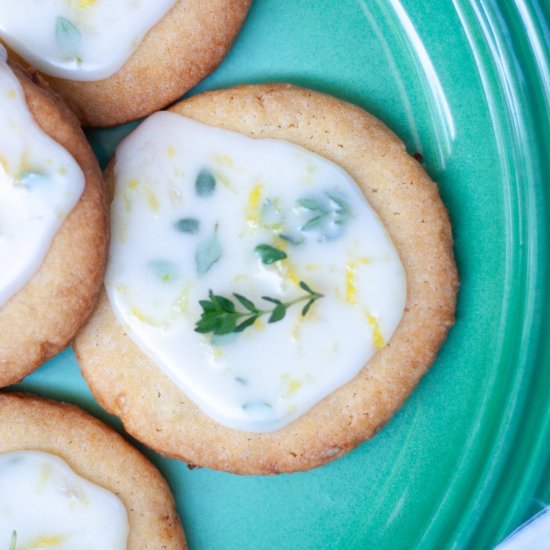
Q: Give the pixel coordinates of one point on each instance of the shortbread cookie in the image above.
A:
(81, 471)
(54, 228)
(228, 379)
(116, 62)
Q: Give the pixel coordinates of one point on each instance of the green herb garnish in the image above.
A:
(68, 38)
(205, 184)
(269, 254)
(328, 214)
(188, 225)
(293, 240)
(208, 253)
(165, 271)
(220, 316)
(13, 540)
(30, 179)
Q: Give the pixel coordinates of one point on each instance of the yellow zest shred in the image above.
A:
(44, 542)
(85, 4)
(136, 312)
(224, 160)
(279, 243)
(224, 180)
(285, 269)
(351, 283)
(252, 209)
(152, 199)
(377, 338)
(291, 385)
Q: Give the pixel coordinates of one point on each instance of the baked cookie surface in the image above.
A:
(152, 408)
(180, 50)
(97, 453)
(41, 319)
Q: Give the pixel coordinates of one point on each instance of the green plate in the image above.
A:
(467, 84)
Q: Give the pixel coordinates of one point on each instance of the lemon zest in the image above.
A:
(152, 199)
(252, 210)
(85, 4)
(377, 338)
(44, 542)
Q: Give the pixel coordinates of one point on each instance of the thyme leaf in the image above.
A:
(328, 213)
(188, 225)
(163, 270)
(205, 184)
(221, 316)
(269, 254)
(68, 38)
(208, 253)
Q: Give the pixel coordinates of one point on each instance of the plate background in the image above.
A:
(467, 84)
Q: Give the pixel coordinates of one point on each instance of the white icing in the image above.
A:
(39, 185)
(48, 505)
(78, 39)
(270, 374)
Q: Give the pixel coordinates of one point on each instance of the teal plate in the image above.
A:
(467, 84)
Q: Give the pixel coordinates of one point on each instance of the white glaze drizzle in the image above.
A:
(86, 40)
(40, 183)
(48, 505)
(265, 377)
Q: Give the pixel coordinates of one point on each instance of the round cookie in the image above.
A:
(100, 455)
(186, 45)
(155, 411)
(43, 317)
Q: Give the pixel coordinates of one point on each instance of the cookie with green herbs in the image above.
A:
(281, 277)
(53, 253)
(75, 477)
(113, 62)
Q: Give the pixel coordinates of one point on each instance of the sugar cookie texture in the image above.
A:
(116, 62)
(42, 311)
(100, 456)
(200, 209)
(154, 410)
(44, 502)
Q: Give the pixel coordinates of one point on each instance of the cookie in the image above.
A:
(42, 317)
(155, 410)
(178, 44)
(99, 455)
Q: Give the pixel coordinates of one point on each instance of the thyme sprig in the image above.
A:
(220, 315)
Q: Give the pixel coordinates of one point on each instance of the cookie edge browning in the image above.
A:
(408, 203)
(43, 317)
(29, 422)
(185, 46)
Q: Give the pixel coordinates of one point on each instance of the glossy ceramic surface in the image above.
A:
(467, 84)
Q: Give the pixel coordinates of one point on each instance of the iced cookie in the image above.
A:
(281, 275)
(68, 481)
(113, 62)
(53, 225)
